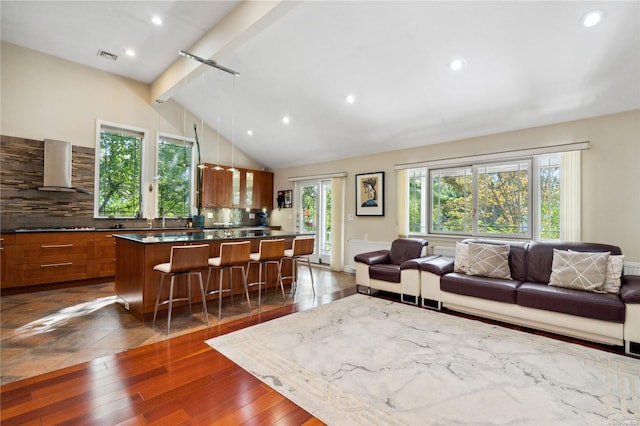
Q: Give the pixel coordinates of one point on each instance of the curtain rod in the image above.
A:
(209, 62)
(500, 155)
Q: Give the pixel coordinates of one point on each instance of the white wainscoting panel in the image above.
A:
(362, 246)
(631, 268)
(444, 250)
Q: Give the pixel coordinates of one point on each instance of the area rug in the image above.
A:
(368, 361)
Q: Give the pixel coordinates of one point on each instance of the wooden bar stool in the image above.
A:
(271, 251)
(232, 255)
(184, 260)
(300, 250)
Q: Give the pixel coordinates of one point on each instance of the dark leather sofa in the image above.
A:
(528, 300)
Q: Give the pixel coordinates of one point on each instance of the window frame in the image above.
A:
(534, 217)
(194, 167)
(100, 125)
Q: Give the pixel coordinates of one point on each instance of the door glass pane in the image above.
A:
(309, 208)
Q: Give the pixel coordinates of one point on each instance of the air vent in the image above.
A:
(107, 55)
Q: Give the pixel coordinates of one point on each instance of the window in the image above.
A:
(515, 198)
(174, 177)
(119, 172)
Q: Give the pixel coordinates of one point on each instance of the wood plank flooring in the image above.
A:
(177, 381)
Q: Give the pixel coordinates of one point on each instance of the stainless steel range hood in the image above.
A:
(57, 166)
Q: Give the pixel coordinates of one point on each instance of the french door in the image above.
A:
(313, 214)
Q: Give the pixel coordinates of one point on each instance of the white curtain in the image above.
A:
(402, 202)
(336, 262)
(570, 196)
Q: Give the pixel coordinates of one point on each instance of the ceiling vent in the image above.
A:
(107, 55)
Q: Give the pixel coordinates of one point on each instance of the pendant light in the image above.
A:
(217, 167)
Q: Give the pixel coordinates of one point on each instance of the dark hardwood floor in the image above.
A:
(177, 381)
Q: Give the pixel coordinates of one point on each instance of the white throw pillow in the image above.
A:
(489, 260)
(579, 270)
(461, 261)
(612, 282)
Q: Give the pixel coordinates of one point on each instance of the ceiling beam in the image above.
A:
(242, 22)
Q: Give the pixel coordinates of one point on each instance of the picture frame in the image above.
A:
(370, 194)
(285, 198)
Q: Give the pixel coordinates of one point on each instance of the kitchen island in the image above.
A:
(136, 283)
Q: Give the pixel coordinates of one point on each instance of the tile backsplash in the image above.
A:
(23, 205)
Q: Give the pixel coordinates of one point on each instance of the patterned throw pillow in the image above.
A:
(615, 265)
(489, 260)
(578, 270)
(461, 261)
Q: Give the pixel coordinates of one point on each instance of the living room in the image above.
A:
(44, 96)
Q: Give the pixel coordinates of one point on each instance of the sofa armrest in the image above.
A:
(416, 263)
(438, 265)
(630, 289)
(373, 257)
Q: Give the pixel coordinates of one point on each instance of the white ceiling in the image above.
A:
(527, 64)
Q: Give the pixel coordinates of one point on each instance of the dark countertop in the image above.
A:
(208, 235)
(138, 229)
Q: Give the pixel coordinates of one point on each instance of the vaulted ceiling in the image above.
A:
(524, 64)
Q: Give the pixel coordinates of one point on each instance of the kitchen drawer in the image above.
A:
(52, 272)
(49, 257)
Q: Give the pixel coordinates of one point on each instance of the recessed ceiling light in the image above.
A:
(592, 18)
(130, 52)
(286, 119)
(350, 99)
(250, 132)
(457, 64)
(156, 20)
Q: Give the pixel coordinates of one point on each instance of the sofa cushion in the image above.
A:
(517, 255)
(483, 287)
(385, 272)
(489, 260)
(403, 249)
(615, 267)
(461, 262)
(600, 306)
(540, 257)
(438, 265)
(579, 271)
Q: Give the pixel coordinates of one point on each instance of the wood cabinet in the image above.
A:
(242, 188)
(104, 257)
(216, 187)
(7, 259)
(51, 257)
(262, 190)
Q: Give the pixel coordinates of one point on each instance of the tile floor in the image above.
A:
(49, 330)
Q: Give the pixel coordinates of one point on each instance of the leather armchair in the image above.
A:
(396, 270)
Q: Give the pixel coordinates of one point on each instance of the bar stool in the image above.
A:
(301, 249)
(232, 255)
(271, 251)
(184, 260)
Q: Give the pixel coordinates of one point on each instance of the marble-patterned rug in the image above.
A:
(368, 361)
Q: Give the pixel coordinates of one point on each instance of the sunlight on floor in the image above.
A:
(53, 321)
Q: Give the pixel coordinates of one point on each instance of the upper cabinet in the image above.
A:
(242, 188)
(216, 187)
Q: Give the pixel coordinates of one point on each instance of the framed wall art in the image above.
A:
(370, 194)
(285, 199)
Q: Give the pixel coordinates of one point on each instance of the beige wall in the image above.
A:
(610, 177)
(47, 97)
